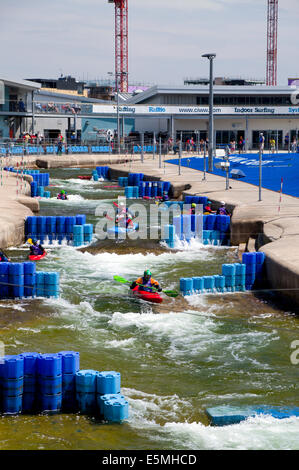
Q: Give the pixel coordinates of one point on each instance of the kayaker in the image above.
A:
(222, 209)
(165, 196)
(193, 208)
(36, 249)
(147, 282)
(208, 208)
(124, 216)
(62, 195)
(3, 257)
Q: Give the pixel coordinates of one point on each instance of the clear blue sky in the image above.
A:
(42, 38)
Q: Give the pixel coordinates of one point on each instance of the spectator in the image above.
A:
(262, 142)
(241, 145)
(294, 145)
(286, 141)
(272, 145)
(21, 106)
(176, 147)
(232, 146)
(192, 144)
(170, 144)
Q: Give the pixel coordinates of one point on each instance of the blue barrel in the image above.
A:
(109, 397)
(178, 222)
(40, 191)
(29, 268)
(30, 363)
(41, 223)
(129, 192)
(50, 225)
(211, 222)
(260, 257)
(28, 402)
(86, 381)
(12, 387)
(228, 269)
(40, 287)
(166, 187)
(116, 411)
(49, 365)
(68, 384)
(187, 226)
(49, 402)
(186, 285)
(60, 225)
(12, 405)
(108, 382)
(31, 226)
(80, 219)
(141, 190)
(205, 222)
(12, 367)
(70, 362)
(148, 189)
(30, 384)
(198, 284)
(49, 385)
(86, 402)
(249, 258)
(16, 269)
(203, 200)
(51, 284)
(188, 199)
(209, 283)
(33, 186)
(69, 224)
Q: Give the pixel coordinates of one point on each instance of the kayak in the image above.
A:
(122, 229)
(85, 177)
(37, 257)
(148, 296)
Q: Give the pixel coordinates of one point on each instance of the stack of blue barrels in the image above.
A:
(216, 229)
(30, 382)
(70, 367)
(59, 228)
(168, 235)
(20, 280)
(154, 189)
(95, 175)
(103, 172)
(238, 277)
(188, 226)
(40, 181)
(132, 192)
(12, 382)
(196, 200)
(50, 383)
(123, 181)
(254, 268)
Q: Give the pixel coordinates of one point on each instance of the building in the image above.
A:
(240, 111)
(16, 98)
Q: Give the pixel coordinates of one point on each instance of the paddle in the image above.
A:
(169, 293)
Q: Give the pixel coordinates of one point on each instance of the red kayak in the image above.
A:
(148, 296)
(84, 177)
(37, 257)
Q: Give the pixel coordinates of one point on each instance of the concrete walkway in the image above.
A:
(15, 205)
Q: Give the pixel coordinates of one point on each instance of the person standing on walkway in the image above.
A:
(262, 142)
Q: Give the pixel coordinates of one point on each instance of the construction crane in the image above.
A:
(272, 29)
(121, 45)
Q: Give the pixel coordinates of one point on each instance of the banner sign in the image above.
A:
(196, 111)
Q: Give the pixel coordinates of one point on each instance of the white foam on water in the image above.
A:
(162, 418)
(259, 433)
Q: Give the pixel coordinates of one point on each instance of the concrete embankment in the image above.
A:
(266, 225)
(76, 161)
(15, 206)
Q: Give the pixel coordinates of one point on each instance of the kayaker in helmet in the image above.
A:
(35, 248)
(124, 216)
(222, 209)
(165, 196)
(62, 195)
(147, 282)
(208, 208)
(3, 257)
(193, 208)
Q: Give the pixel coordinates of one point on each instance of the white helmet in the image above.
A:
(222, 203)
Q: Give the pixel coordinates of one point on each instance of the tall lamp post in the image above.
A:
(211, 57)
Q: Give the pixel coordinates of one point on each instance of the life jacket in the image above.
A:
(147, 285)
(222, 211)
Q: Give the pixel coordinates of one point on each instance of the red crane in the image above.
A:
(121, 44)
(272, 29)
